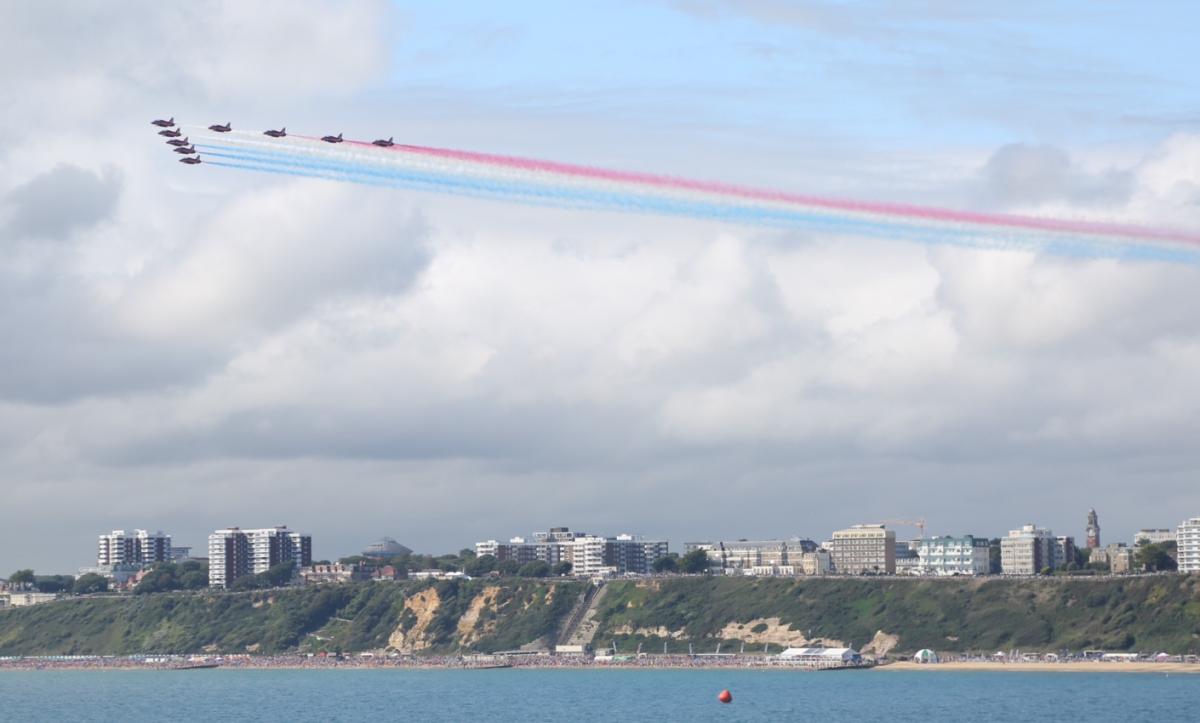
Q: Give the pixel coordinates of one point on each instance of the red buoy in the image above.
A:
(725, 696)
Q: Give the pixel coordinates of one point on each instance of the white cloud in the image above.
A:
(197, 338)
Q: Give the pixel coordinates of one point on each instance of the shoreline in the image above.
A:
(648, 663)
(1070, 666)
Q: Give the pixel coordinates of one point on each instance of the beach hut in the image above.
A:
(925, 655)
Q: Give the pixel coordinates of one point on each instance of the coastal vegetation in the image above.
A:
(1142, 613)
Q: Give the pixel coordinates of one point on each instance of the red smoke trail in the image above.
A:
(922, 213)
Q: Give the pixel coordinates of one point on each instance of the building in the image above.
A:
(25, 598)
(821, 657)
(817, 562)
(1187, 539)
(942, 556)
(1153, 537)
(235, 553)
(908, 559)
(389, 572)
(1027, 551)
(137, 548)
(771, 557)
(386, 547)
(1093, 530)
(334, 573)
(1064, 551)
(1120, 558)
(863, 550)
(589, 555)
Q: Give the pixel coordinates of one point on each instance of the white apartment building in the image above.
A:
(235, 553)
(589, 555)
(1187, 538)
(863, 549)
(1153, 537)
(139, 547)
(1027, 551)
(966, 555)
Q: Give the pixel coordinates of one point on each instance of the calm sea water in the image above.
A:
(571, 695)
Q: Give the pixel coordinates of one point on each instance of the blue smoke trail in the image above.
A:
(294, 163)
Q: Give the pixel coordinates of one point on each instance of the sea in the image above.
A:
(585, 695)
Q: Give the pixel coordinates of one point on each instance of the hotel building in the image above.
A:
(863, 549)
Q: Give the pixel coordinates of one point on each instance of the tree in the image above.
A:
(53, 583)
(666, 564)
(508, 568)
(562, 569)
(90, 583)
(247, 582)
(537, 568)
(22, 577)
(281, 574)
(159, 579)
(694, 562)
(480, 566)
(1154, 558)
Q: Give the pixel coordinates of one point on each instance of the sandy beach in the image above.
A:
(1038, 667)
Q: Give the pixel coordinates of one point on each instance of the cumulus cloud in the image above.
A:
(212, 348)
(1028, 175)
(51, 205)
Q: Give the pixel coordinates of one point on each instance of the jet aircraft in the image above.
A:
(163, 123)
(385, 144)
(332, 139)
(186, 149)
(178, 141)
(221, 128)
(170, 133)
(276, 134)
(190, 160)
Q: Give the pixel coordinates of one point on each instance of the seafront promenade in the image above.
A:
(283, 662)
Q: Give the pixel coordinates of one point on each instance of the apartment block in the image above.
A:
(863, 549)
(139, 547)
(1027, 551)
(1187, 538)
(1064, 551)
(941, 556)
(589, 555)
(235, 553)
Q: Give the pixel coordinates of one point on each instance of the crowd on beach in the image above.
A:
(480, 661)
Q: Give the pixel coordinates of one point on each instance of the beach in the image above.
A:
(1072, 666)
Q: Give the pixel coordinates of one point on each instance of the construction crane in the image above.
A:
(919, 524)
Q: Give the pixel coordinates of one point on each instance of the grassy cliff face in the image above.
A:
(1145, 614)
(475, 615)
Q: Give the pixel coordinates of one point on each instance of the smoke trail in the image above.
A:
(279, 160)
(547, 183)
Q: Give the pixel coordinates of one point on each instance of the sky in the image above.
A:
(189, 348)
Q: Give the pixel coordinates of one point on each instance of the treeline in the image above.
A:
(467, 562)
(82, 585)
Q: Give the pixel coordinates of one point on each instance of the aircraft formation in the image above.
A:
(191, 157)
